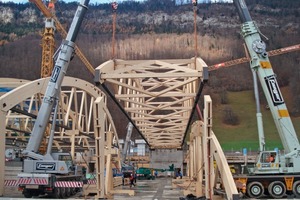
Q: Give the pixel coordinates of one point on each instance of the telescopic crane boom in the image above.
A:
(259, 61)
(274, 173)
(127, 141)
(47, 170)
(65, 54)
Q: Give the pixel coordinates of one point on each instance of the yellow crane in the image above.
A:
(48, 43)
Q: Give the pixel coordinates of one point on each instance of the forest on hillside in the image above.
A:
(163, 36)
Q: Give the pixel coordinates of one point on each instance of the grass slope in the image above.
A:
(244, 135)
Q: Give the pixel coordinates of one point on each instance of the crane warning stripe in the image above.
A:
(41, 181)
(24, 181)
(33, 181)
(283, 113)
(92, 181)
(11, 183)
(71, 184)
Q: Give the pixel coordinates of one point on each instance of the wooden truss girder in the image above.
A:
(77, 126)
(158, 95)
(74, 119)
(206, 162)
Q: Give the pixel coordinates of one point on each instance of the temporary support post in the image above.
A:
(204, 149)
(99, 140)
(199, 165)
(208, 164)
(72, 134)
(104, 151)
(109, 176)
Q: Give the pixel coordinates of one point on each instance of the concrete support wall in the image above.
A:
(163, 158)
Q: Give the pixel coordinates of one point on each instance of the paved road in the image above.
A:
(159, 189)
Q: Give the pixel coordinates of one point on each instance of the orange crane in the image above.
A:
(48, 39)
(245, 59)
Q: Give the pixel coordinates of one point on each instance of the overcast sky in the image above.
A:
(103, 1)
(91, 1)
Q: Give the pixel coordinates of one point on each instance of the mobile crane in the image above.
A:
(127, 169)
(281, 175)
(52, 173)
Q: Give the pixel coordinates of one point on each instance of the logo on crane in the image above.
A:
(243, 5)
(55, 74)
(45, 166)
(274, 90)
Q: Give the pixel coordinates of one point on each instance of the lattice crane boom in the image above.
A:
(49, 15)
(245, 59)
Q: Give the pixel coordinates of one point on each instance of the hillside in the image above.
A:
(157, 30)
(245, 134)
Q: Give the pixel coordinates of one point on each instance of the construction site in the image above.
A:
(59, 139)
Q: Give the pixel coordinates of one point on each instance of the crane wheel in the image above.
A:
(255, 190)
(27, 193)
(68, 192)
(277, 189)
(296, 189)
(63, 193)
(56, 193)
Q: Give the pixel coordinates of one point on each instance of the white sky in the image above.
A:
(91, 1)
(94, 1)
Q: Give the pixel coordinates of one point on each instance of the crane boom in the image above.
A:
(261, 64)
(41, 6)
(245, 59)
(44, 172)
(46, 12)
(273, 168)
(127, 141)
(65, 53)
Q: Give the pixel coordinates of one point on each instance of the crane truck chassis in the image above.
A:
(279, 176)
(53, 173)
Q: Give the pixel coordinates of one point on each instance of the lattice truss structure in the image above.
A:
(74, 130)
(158, 95)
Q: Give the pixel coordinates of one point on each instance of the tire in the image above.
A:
(73, 191)
(56, 193)
(277, 189)
(27, 193)
(296, 189)
(63, 193)
(255, 190)
(68, 192)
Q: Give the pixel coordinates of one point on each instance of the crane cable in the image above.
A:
(114, 6)
(195, 27)
(194, 2)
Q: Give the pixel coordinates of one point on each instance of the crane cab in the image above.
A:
(267, 163)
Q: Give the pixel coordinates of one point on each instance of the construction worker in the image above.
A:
(131, 180)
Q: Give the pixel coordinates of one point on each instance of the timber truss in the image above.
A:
(84, 124)
(158, 96)
(74, 120)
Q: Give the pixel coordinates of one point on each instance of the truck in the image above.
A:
(52, 173)
(274, 173)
